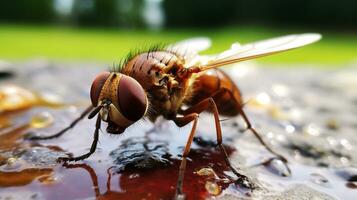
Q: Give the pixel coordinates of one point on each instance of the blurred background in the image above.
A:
(105, 30)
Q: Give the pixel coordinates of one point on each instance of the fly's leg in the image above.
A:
(209, 103)
(182, 121)
(255, 133)
(92, 148)
(30, 136)
(91, 172)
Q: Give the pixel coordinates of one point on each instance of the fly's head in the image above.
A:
(119, 99)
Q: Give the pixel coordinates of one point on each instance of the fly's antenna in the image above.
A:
(95, 112)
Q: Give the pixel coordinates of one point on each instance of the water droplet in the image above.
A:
(206, 171)
(278, 167)
(332, 141)
(295, 115)
(280, 90)
(15, 98)
(263, 99)
(346, 144)
(11, 164)
(11, 161)
(281, 138)
(133, 176)
(319, 179)
(345, 161)
(312, 129)
(41, 120)
(270, 135)
(213, 188)
(289, 128)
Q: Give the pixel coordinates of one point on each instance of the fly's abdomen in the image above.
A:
(210, 83)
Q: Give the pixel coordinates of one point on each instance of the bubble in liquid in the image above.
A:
(206, 171)
(11, 160)
(11, 164)
(134, 176)
(213, 188)
(41, 120)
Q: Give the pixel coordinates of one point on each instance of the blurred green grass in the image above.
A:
(20, 42)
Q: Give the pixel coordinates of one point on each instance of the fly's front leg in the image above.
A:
(182, 121)
(210, 104)
(92, 148)
(30, 136)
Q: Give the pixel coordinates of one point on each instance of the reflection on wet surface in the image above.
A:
(159, 182)
(128, 172)
(308, 118)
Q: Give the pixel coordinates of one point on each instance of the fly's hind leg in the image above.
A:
(209, 103)
(255, 133)
(30, 136)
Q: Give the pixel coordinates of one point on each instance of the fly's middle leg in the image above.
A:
(191, 114)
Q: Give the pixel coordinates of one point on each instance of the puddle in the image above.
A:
(129, 171)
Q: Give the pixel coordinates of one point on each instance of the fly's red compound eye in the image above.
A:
(97, 86)
(131, 98)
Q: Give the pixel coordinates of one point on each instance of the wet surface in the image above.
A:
(307, 115)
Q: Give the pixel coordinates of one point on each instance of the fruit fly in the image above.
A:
(177, 83)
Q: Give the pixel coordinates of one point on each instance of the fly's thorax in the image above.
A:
(150, 67)
(160, 74)
(123, 99)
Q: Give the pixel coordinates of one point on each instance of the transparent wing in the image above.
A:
(189, 48)
(258, 49)
(193, 44)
